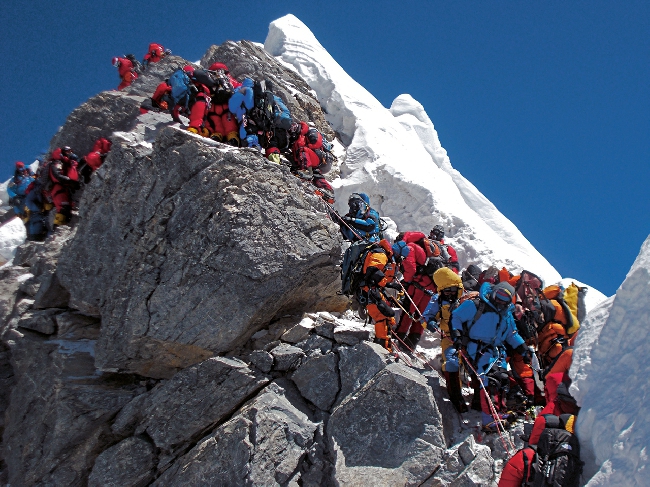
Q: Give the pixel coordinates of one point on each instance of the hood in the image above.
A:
(445, 277)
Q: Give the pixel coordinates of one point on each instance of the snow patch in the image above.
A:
(12, 234)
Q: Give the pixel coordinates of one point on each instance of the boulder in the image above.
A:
(262, 360)
(100, 116)
(184, 408)
(286, 357)
(247, 59)
(40, 321)
(59, 414)
(130, 462)
(359, 364)
(204, 245)
(387, 433)
(263, 444)
(299, 332)
(317, 380)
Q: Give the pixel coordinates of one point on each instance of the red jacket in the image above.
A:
(513, 472)
(417, 257)
(155, 53)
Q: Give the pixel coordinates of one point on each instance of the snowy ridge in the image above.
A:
(395, 156)
(610, 373)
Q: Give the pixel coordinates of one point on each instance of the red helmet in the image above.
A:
(189, 69)
(20, 165)
(116, 61)
(217, 66)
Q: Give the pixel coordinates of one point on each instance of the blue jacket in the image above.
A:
(281, 116)
(242, 100)
(367, 226)
(491, 330)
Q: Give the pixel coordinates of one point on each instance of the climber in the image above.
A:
(126, 71)
(221, 123)
(17, 188)
(552, 459)
(199, 100)
(94, 159)
(479, 329)
(239, 103)
(437, 234)
(379, 273)
(65, 180)
(437, 315)
(418, 284)
(156, 53)
(361, 222)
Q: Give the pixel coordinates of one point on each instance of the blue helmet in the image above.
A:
(400, 249)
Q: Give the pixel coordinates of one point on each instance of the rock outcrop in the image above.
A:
(187, 330)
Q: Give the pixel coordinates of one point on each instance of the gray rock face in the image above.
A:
(194, 400)
(206, 249)
(155, 73)
(387, 433)
(40, 321)
(10, 281)
(465, 465)
(262, 360)
(245, 59)
(286, 357)
(129, 463)
(59, 413)
(358, 365)
(263, 444)
(317, 380)
(100, 116)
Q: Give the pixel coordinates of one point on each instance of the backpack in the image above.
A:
(568, 301)
(206, 78)
(137, 66)
(537, 310)
(180, 83)
(263, 107)
(223, 89)
(435, 259)
(352, 265)
(557, 461)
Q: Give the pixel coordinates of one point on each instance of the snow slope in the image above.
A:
(610, 373)
(395, 156)
(12, 234)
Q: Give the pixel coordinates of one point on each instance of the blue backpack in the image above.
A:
(180, 83)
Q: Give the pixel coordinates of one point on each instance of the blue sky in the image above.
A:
(544, 106)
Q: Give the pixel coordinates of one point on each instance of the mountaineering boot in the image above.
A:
(455, 391)
(205, 132)
(194, 130)
(217, 137)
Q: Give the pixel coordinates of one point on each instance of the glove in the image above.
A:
(274, 158)
(416, 315)
(432, 326)
(394, 285)
(457, 338)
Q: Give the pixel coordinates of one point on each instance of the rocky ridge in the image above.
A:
(187, 328)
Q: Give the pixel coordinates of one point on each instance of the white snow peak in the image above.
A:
(394, 155)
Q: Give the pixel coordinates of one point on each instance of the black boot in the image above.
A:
(455, 391)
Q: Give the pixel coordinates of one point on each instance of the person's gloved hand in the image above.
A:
(456, 337)
(416, 315)
(274, 157)
(432, 326)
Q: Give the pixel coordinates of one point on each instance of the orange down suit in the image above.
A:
(382, 261)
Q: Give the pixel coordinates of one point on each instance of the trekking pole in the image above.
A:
(500, 428)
